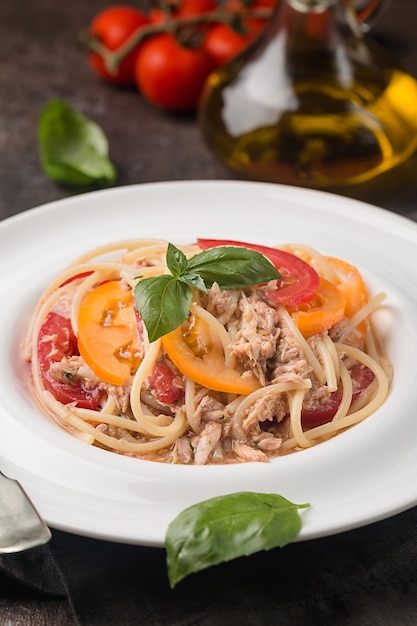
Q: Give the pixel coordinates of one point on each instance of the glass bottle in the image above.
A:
(313, 103)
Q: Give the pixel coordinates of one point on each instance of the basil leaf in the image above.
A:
(163, 303)
(176, 261)
(232, 267)
(194, 280)
(226, 527)
(73, 149)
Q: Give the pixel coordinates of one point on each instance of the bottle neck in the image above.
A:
(360, 14)
(314, 23)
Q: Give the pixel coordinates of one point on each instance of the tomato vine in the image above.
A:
(125, 44)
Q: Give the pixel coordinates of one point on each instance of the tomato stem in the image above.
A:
(174, 25)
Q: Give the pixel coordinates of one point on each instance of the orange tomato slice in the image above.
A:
(108, 337)
(350, 284)
(198, 354)
(327, 308)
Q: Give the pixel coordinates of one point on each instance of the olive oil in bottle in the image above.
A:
(313, 103)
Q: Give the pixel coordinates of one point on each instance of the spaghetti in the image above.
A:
(247, 377)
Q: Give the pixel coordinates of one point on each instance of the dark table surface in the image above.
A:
(366, 576)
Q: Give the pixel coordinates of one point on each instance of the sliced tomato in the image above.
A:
(361, 376)
(351, 285)
(198, 354)
(57, 340)
(75, 277)
(300, 281)
(326, 310)
(162, 383)
(108, 336)
(323, 413)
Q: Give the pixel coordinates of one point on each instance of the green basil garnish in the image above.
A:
(73, 149)
(163, 302)
(226, 527)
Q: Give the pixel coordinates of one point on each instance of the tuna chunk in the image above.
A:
(247, 454)
(270, 406)
(209, 410)
(289, 363)
(257, 337)
(183, 452)
(206, 443)
(265, 344)
(222, 303)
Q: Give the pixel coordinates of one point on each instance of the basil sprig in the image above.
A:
(226, 527)
(73, 149)
(163, 302)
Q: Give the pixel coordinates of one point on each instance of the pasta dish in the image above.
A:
(211, 353)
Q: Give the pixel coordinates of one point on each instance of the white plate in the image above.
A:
(363, 475)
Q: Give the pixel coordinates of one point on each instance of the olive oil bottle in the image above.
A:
(313, 103)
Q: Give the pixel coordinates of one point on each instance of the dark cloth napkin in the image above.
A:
(366, 577)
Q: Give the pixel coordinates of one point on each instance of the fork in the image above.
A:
(21, 526)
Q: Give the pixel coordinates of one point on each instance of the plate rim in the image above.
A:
(62, 204)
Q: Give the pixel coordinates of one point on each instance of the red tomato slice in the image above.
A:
(161, 381)
(75, 277)
(300, 280)
(57, 340)
(362, 377)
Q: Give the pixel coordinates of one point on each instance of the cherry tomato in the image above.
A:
(57, 340)
(243, 7)
(183, 8)
(223, 43)
(170, 75)
(113, 27)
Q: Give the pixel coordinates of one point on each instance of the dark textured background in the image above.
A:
(40, 59)
(365, 577)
